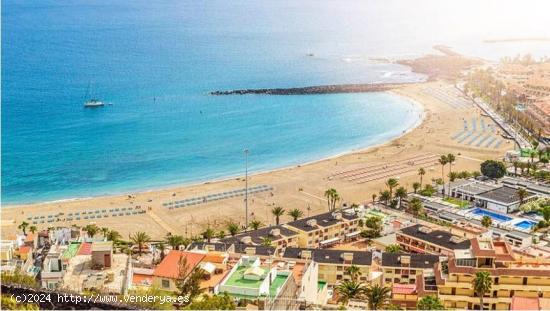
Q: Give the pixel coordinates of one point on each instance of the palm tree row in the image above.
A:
(444, 160)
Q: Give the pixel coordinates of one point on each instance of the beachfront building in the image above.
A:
(280, 237)
(469, 189)
(540, 189)
(326, 229)
(503, 199)
(169, 271)
(271, 285)
(512, 277)
(333, 263)
(427, 240)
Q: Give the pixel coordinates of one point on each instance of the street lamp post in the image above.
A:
(246, 189)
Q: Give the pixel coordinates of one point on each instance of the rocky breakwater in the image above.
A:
(319, 89)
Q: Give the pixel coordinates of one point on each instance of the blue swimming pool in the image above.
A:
(525, 224)
(496, 217)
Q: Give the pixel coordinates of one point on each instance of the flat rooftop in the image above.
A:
(440, 238)
(504, 195)
(237, 278)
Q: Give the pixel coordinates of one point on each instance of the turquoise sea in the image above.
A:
(154, 62)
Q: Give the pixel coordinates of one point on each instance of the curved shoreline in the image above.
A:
(419, 120)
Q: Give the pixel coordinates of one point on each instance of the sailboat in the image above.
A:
(92, 102)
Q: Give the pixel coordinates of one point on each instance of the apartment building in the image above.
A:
(279, 237)
(427, 240)
(512, 277)
(334, 263)
(326, 229)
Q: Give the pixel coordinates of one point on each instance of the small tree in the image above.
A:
(332, 198)
(385, 196)
(348, 290)
(401, 193)
(295, 214)
(233, 228)
(277, 212)
(33, 229)
(377, 296)
(415, 206)
(354, 272)
(91, 229)
(23, 227)
(140, 239)
(266, 241)
(416, 186)
(486, 221)
(255, 224)
(174, 241)
(522, 194)
(208, 234)
(189, 279)
(393, 248)
(391, 184)
(421, 173)
(493, 169)
(113, 235)
(429, 303)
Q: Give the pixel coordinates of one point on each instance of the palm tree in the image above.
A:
(174, 241)
(416, 186)
(208, 234)
(140, 238)
(401, 193)
(255, 224)
(295, 214)
(421, 173)
(113, 235)
(486, 221)
(450, 159)
(33, 229)
(482, 284)
(332, 198)
(377, 296)
(277, 212)
(161, 247)
(443, 161)
(233, 228)
(23, 227)
(349, 290)
(391, 183)
(91, 230)
(415, 205)
(522, 194)
(385, 196)
(354, 272)
(220, 234)
(104, 231)
(393, 248)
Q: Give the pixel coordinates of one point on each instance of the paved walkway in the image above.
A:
(161, 222)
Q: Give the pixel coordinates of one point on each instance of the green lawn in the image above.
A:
(460, 203)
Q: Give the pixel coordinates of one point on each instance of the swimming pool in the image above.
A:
(496, 217)
(525, 224)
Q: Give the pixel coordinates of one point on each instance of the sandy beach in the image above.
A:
(296, 187)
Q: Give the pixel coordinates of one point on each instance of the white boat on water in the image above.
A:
(92, 102)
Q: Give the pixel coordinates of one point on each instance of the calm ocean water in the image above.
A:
(155, 61)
